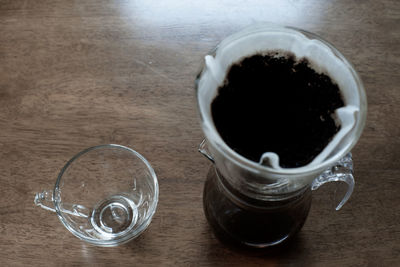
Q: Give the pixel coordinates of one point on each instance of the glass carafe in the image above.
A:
(255, 204)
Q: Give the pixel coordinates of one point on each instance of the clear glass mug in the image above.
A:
(256, 205)
(105, 195)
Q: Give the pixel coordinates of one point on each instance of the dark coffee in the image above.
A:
(238, 220)
(276, 103)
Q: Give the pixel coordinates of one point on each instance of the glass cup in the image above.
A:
(259, 205)
(105, 195)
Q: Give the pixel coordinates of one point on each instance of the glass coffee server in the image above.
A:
(261, 204)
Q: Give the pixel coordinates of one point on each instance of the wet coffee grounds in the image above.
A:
(276, 103)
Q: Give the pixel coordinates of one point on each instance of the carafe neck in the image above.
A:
(260, 200)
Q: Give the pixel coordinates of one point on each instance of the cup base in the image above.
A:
(114, 216)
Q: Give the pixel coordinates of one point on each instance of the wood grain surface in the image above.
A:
(74, 74)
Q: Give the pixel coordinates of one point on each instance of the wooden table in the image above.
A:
(74, 74)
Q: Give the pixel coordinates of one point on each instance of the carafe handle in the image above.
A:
(342, 171)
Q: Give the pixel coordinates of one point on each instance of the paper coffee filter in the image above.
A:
(322, 59)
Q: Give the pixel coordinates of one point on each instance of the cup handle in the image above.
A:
(204, 150)
(45, 200)
(342, 171)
